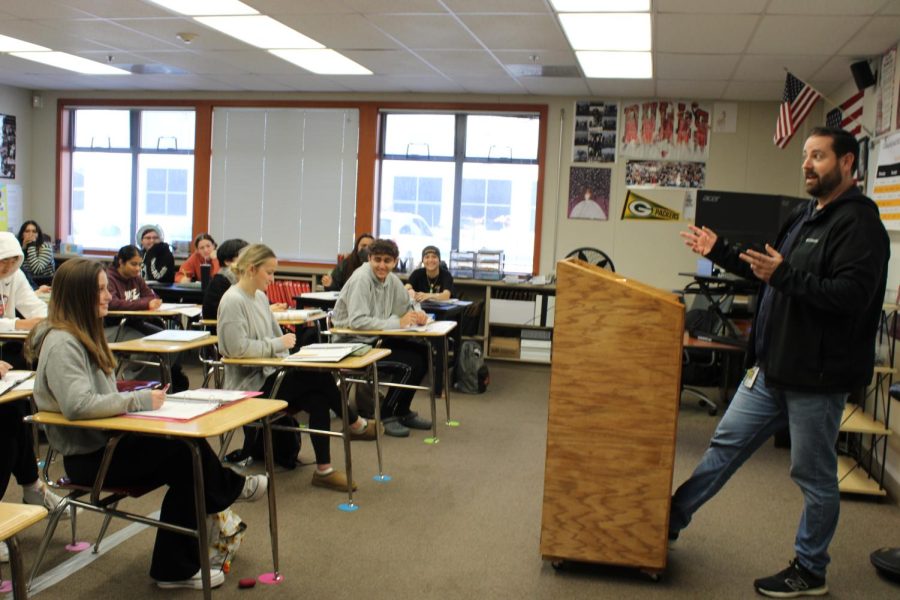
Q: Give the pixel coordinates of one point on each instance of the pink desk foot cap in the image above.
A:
(5, 586)
(78, 546)
(271, 578)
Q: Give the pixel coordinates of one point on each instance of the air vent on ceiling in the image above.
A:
(152, 69)
(533, 70)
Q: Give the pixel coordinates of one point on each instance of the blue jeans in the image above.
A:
(752, 418)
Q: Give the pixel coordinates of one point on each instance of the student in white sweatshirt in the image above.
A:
(16, 295)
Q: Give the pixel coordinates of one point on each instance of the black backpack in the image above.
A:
(285, 444)
(471, 375)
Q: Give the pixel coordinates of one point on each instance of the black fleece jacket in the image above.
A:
(828, 297)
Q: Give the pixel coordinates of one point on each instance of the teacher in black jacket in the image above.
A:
(812, 342)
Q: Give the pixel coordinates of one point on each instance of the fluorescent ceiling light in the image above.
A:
(607, 31)
(584, 6)
(197, 8)
(260, 31)
(10, 44)
(616, 65)
(323, 62)
(64, 60)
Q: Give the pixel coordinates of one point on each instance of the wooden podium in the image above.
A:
(614, 393)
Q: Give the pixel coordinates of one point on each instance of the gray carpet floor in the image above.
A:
(461, 520)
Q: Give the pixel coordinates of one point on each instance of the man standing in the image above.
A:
(812, 342)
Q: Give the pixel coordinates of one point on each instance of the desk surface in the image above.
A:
(140, 345)
(16, 517)
(14, 395)
(14, 335)
(214, 322)
(222, 420)
(163, 314)
(692, 342)
(435, 329)
(351, 363)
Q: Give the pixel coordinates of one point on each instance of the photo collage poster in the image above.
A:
(665, 130)
(7, 147)
(665, 173)
(595, 132)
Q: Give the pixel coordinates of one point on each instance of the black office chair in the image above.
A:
(701, 367)
(593, 256)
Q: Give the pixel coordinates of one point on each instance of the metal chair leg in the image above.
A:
(48, 536)
(106, 519)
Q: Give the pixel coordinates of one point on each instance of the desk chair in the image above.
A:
(13, 519)
(593, 256)
(701, 367)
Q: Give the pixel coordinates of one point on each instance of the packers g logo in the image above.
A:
(641, 208)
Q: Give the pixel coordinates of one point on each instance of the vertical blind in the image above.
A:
(285, 177)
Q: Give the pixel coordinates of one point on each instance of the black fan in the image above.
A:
(593, 256)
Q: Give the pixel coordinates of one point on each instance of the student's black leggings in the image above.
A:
(152, 461)
(16, 449)
(412, 355)
(313, 392)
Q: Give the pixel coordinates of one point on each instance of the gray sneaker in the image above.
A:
(414, 421)
(394, 428)
(43, 497)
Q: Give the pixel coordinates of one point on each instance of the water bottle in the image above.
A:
(205, 271)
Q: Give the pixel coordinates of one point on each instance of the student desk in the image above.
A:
(162, 350)
(433, 331)
(14, 395)
(323, 300)
(216, 423)
(16, 335)
(449, 310)
(350, 364)
(13, 519)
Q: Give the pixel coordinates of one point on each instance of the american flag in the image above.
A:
(798, 100)
(848, 115)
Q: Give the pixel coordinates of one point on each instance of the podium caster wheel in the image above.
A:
(558, 565)
(653, 576)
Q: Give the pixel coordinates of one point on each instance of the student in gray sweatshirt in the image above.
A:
(374, 298)
(248, 329)
(75, 377)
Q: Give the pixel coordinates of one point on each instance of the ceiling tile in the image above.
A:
(112, 9)
(341, 32)
(476, 63)
(51, 37)
(891, 8)
(710, 6)
(426, 31)
(371, 7)
(875, 37)
(116, 34)
(806, 34)
(390, 62)
(498, 6)
(166, 29)
(490, 85)
(555, 86)
(544, 57)
(29, 9)
(703, 34)
(824, 7)
(252, 61)
(511, 32)
(622, 88)
(275, 8)
(689, 89)
(694, 66)
(772, 68)
(755, 90)
(836, 69)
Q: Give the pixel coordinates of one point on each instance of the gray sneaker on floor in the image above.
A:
(394, 428)
(414, 421)
(43, 497)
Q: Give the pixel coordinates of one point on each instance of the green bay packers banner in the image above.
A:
(639, 207)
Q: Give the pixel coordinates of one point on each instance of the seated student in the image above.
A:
(158, 264)
(16, 295)
(342, 272)
(432, 281)
(204, 254)
(248, 329)
(75, 378)
(38, 252)
(17, 457)
(227, 253)
(374, 298)
(128, 291)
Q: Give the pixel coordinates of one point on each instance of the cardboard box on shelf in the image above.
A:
(504, 347)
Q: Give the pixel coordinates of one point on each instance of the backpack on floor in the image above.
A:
(471, 375)
(285, 445)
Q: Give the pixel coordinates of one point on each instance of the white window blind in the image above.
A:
(285, 177)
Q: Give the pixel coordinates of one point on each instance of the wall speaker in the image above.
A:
(862, 74)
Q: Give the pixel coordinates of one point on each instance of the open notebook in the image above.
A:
(177, 335)
(15, 379)
(327, 352)
(190, 404)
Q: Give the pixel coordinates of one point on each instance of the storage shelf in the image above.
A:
(852, 479)
(518, 326)
(519, 360)
(854, 420)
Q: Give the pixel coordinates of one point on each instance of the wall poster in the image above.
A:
(7, 147)
(595, 131)
(665, 129)
(665, 173)
(588, 193)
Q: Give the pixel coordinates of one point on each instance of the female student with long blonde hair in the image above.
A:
(248, 329)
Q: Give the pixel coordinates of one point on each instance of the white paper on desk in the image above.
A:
(298, 314)
(178, 410)
(324, 352)
(213, 395)
(188, 310)
(176, 335)
(15, 379)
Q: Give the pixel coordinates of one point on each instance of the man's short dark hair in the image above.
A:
(384, 247)
(229, 250)
(842, 142)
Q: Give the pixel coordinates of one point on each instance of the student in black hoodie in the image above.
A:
(158, 262)
(812, 342)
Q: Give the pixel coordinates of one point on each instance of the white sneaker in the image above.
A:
(43, 497)
(4, 553)
(255, 487)
(216, 578)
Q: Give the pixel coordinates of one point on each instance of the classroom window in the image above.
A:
(471, 178)
(130, 167)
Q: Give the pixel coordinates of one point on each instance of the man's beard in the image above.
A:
(825, 184)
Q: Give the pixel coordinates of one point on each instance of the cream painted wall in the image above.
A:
(17, 102)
